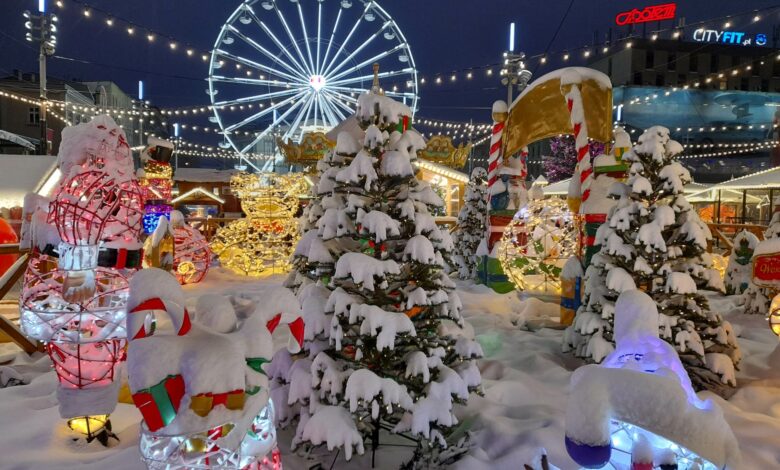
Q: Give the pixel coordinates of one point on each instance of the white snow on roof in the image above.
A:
(203, 175)
(21, 174)
(567, 73)
(761, 179)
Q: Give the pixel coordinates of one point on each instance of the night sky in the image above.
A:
(444, 35)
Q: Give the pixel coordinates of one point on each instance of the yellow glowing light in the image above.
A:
(536, 244)
(774, 315)
(156, 170)
(263, 242)
(719, 263)
(88, 425)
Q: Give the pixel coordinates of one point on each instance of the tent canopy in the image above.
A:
(17, 139)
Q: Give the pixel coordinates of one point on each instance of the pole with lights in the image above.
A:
(42, 28)
(514, 72)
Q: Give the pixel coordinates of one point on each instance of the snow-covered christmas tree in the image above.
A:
(384, 348)
(471, 224)
(655, 241)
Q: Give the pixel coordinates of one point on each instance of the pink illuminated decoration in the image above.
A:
(84, 247)
(665, 11)
(192, 255)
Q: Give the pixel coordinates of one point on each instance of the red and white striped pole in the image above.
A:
(495, 162)
(523, 166)
(496, 141)
(570, 87)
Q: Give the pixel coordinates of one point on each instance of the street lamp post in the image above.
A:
(42, 28)
(514, 74)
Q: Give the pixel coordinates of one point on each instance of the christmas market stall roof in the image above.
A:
(22, 174)
(203, 175)
(764, 179)
(443, 170)
(16, 139)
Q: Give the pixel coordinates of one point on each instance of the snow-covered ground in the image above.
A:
(525, 379)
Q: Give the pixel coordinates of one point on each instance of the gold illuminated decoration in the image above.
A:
(89, 426)
(720, 263)
(157, 170)
(774, 315)
(540, 111)
(313, 147)
(440, 149)
(536, 244)
(263, 242)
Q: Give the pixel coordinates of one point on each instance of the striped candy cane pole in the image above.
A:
(572, 80)
(496, 141)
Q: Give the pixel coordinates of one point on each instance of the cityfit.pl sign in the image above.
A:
(729, 37)
(651, 13)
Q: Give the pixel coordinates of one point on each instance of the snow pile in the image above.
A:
(643, 383)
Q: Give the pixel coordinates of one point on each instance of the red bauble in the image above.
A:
(7, 235)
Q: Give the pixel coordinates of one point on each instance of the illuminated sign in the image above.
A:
(728, 37)
(651, 13)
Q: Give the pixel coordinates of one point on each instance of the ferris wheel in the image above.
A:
(291, 66)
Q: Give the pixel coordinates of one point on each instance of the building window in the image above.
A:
(681, 79)
(649, 59)
(693, 65)
(765, 85)
(34, 116)
(714, 63)
(744, 84)
(659, 80)
(637, 78)
(672, 64)
(755, 68)
(609, 66)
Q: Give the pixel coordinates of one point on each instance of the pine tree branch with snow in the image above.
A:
(471, 228)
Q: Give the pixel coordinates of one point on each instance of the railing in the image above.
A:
(7, 281)
(723, 234)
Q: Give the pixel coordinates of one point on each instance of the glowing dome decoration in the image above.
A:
(263, 242)
(640, 401)
(536, 244)
(289, 67)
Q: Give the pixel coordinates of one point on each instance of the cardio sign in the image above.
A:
(651, 13)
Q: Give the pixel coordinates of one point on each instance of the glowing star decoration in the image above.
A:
(537, 242)
(223, 417)
(640, 397)
(263, 242)
(84, 245)
(192, 255)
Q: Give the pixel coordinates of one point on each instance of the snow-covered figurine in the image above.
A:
(471, 224)
(738, 271)
(202, 388)
(159, 246)
(85, 245)
(641, 403)
(654, 240)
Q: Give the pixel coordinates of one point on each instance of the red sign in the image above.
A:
(651, 13)
(766, 270)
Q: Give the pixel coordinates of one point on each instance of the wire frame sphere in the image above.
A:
(257, 449)
(45, 315)
(192, 255)
(536, 244)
